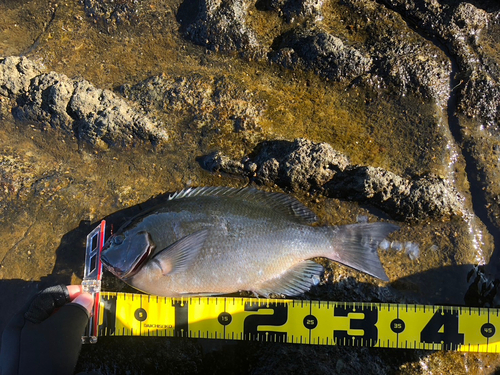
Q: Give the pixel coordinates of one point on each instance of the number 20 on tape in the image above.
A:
(303, 322)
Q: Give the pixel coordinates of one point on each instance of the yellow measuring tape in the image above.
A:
(381, 325)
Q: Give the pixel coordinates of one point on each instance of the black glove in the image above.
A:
(45, 337)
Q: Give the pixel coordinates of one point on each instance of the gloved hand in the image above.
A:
(45, 337)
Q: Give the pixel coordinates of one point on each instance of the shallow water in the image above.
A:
(54, 188)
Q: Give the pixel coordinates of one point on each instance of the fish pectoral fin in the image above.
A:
(293, 281)
(179, 255)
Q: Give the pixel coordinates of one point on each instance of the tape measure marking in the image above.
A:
(302, 322)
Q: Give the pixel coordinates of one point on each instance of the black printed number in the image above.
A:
(252, 322)
(367, 324)
(443, 329)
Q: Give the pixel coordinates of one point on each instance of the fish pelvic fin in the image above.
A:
(293, 281)
(356, 246)
(178, 256)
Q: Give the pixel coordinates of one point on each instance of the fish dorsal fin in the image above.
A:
(278, 201)
(293, 281)
(178, 256)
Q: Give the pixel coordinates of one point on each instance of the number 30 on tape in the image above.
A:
(302, 322)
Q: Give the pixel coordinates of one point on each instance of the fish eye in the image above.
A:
(118, 240)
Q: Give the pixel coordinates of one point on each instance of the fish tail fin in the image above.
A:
(356, 246)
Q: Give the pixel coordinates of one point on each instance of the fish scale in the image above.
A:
(208, 241)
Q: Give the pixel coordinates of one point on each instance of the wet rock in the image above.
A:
(75, 106)
(301, 164)
(16, 173)
(480, 78)
(141, 355)
(26, 174)
(481, 99)
(322, 52)
(469, 31)
(320, 360)
(110, 14)
(16, 73)
(304, 165)
(217, 162)
(220, 26)
(200, 100)
(102, 114)
(469, 19)
(46, 101)
(460, 26)
(409, 68)
(404, 61)
(294, 10)
(404, 198)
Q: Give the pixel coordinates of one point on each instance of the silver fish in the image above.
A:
(219, 240)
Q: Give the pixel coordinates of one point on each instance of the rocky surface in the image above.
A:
(321, 52)
(304, 165)
(220, 26)
(75, 106)
(110, 15)
(459, 25)
(417, 198)
(295, 165)
(294, 10)
(404, 60)
(203, 101)
(16, 74)
(468, 30)
(386, 57)
(16, 173)
(394, 105)
(388, 52)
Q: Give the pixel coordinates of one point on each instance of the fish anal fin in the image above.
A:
(293, 281)
(178, 256)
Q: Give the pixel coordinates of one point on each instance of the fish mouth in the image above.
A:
(114, 270)
(133, 269)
